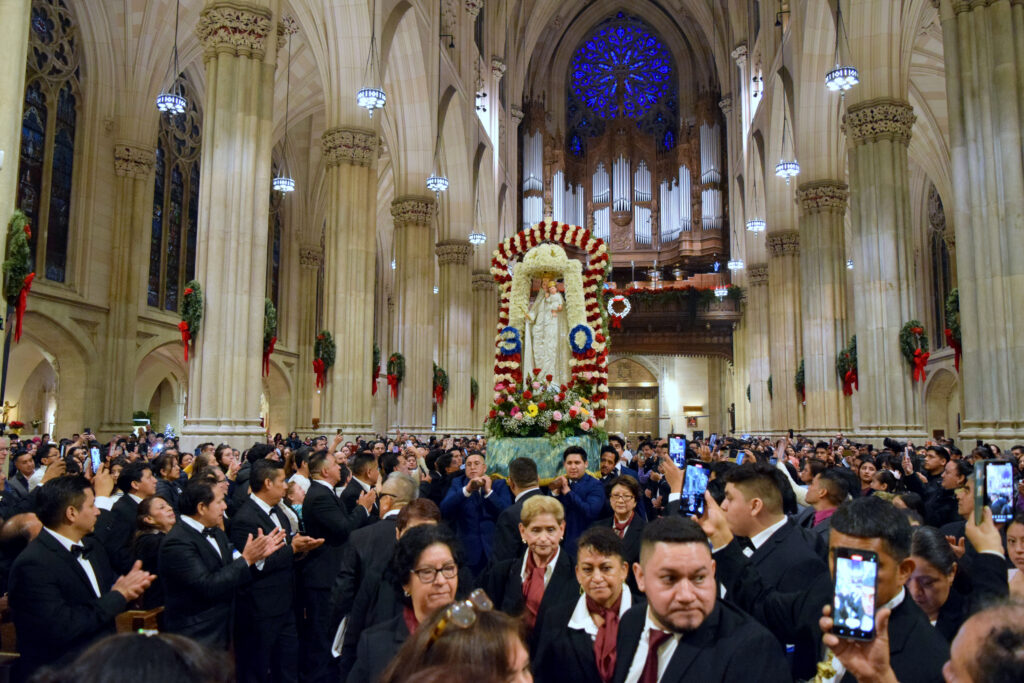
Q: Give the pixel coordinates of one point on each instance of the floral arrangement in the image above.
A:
(953, 326)
(269, 333)
(323, 356)
(396, 373)
(36, 423)
(800, 383)
(474, 392)
(914, 346)
(15, 424)
(846, 366)
(376, 368)
(17, 268)
(191, 313)
(563, 408)
(618, 308)
(440, 384)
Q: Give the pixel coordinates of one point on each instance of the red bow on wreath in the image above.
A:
(318, 368)
(472, 402)
(920, 360)
(186, 336)
(616, 322)
(266, 356)
(22, 303)
(439, 396)
(849, 382)
(393, 383)
(957, 349)
(376, 376)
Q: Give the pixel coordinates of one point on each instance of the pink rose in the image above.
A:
(588, 376)
(500, 387)
(514, 411)
(556, 416)
(585, 426)
(536, 385)
(520, 416)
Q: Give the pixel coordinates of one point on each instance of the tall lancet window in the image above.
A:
(49, 119)
(174, 228)
(276, 228)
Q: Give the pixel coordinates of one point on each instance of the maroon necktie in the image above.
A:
(411, 622)
(650, 672)
(533, 589)
(620, 527)
(607, 633)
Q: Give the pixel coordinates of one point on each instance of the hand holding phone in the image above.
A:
(864, 660)
(853, 602)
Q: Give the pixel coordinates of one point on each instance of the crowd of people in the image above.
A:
(405, 560)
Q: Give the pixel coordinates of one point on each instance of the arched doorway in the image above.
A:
(942, 402)
(160, 387)
(632, 399)
(276, 401)
(32, 388)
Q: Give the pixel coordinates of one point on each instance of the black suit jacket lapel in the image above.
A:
(54, 546)
(205, 549)
(631, 629)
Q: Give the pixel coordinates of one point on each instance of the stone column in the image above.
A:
(310, 259)
(485, 318)
(983, 43)
(413, 322)
(351, 182)
(823, 299)
(13, 54)
(757, 349)
(240, 51)
(784, 328)
(455, 338)
(133, 210)
(879, 132)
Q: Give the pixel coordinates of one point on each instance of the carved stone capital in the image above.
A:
(349, 146)
(473, 7)
(739, 54)
(453, 252)
(758, 275)
(498, 67)
(413, 211)
(235, 28)
(311, 256)
(483, 281)
(133, 161)
(823, 195)
(517, 114)
(879, 119)
(725, 104)
(950, 237)
(286, 27)
(784, 243)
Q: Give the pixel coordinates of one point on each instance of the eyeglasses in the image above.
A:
(622, 496)
(428, 574)
(462, 614)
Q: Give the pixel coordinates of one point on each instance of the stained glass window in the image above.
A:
(46, 159)
(156, 238)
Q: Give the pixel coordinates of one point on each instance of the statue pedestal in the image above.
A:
(500, 452)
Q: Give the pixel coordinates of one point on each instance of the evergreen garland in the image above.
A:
(953, 314)
(269, 323)
(376, 359)
(846, 359)
(192, 307)
(396, 366)
(474, 389)
(17, 260)
(324, 349)
(799, 383)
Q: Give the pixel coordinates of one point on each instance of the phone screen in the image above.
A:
(999, 490)
(695, 484)
(677, 449)
(739, 457)
(853, 604)
(712, 441)
(94, 453)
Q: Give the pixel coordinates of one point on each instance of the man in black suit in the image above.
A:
(266, 636)
(364, 477)
(201, 571)
(917, 649)
(63, 593)
(523, 482)
(684, 632)
(325, 517)
(116, 527)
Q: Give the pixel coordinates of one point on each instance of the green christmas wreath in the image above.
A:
(953, 314)
(17, 260)
(474, 392)
(440, 384)
(913, 338)
(396, 372)
(269, 324)
(191, 313)
(799, 382)
(770, 395)
(324, 349)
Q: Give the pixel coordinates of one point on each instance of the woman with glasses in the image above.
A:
(627, 520)
(424, 572)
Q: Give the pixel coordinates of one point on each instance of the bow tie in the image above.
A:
(746, 544)
(79, 552)
(210, 531)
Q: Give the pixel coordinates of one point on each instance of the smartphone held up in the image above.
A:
(853, 604)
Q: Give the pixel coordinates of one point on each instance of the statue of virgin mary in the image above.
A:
(546, 339)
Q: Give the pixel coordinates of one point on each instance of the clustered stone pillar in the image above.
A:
(351, 182)
(240, 51)
(757, 349)
(982, 44)
(485, 318)
(455, 339)
(14, 53)
(413, 322)
(310, 259)
(133, 207)
(879, 133)
(823, 296)
(784, 328)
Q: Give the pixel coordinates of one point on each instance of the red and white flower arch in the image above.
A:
(589, 364)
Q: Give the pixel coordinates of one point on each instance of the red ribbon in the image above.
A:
(393, 383)
(376, 376)
(616, 322)
(22, 304)
(266, 356)
(439, 395)
(319, 369)
(920, 360)
(957, 349)
(186, 336)
(472, 402)
(849, 382)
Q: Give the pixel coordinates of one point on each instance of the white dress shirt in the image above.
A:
(520, 495)
(267, 509)
(760, 538)
(86, 564)
(665, 651)
(200, 528)
(548, 570)
(582, 620)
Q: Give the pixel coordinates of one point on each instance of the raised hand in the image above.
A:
(865, 660)
(102, 482)
(367, 500)
(714, 523)
(673, 475)
(303, 544)
(985, 536)
(134, 583)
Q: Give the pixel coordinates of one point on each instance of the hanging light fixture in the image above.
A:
(786, 168)
(721, 292)
(756, 225)
(173, 101)
(735, 264)
(282, 182)
(849, 264)
(372, 96)
(438, 182)
(842, 77)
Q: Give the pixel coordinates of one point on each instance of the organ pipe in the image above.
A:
(620, 185)
(600, 185)
(602, 223)
(558, 197)
(533, 162)
(685, 200)
(711, 209)
(710, 149)
(642, 224)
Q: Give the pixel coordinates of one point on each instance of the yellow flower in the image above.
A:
(585, 412)
(532, 410)
(583, 400)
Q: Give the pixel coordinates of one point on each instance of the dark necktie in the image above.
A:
(650, 670)
(282, 520)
